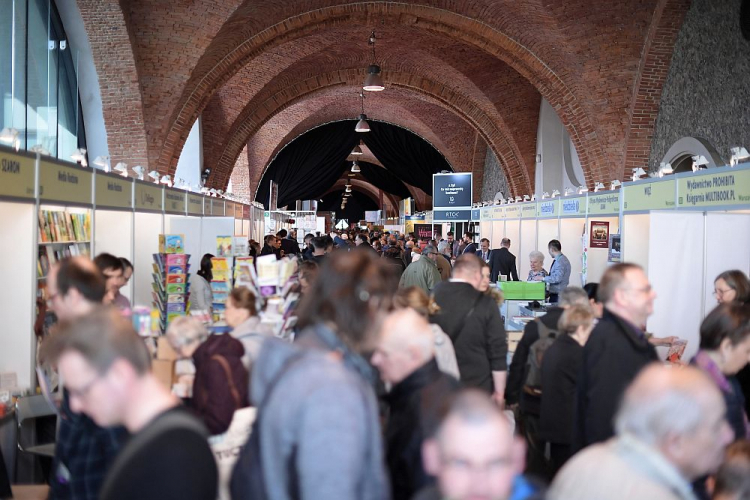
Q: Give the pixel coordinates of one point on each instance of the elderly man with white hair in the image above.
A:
(405, 357)
(670, 430)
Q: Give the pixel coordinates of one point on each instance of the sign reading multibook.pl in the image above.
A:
(67, 184)
(16, 175)
(713, 190)
(113, 191)
(148, 196)
(658, 195)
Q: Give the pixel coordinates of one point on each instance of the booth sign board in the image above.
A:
(513, 211)
(528, 210)
(476, 214)
(194, 204)
(113, 191)
(644, 196)
(730, 187)
(451, 215)
(604, 203)
(217, 206)
(174, 201)
(548, 208)
(67, 184)
(149, 196)
(246, 212)
(452, 191)
(573, 206)
(486, 213)
(16, 174)
(498, 213)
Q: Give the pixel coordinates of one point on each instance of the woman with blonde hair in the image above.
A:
(417, 299)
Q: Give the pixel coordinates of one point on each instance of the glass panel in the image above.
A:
(67, 95)
(13, 65)
(39, 114)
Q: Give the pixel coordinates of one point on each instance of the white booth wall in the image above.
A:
(522, 247)
(570, 238)
(635, 239)
(16, 262)
(190, 227)
(512, 231)
(547, 229)
(211, 227)
(113, 233)
(486, 230)
(147, 228)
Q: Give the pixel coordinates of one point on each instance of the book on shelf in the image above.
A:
(49, 255)
(62, 226)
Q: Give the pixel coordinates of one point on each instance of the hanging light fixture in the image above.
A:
(357, 151)
(138, 171)
(122, 168)
(355, 167)
(154, 176)
(373, 81)
(11, 137)
(362, 125)
(167, 180)
(79, 156)
(103, 162)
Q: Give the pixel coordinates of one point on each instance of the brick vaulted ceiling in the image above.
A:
(466, 76)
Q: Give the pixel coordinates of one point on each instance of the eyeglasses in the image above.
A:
(83, 391)
(720, 293)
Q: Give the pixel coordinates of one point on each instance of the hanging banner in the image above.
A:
(604, 203)
(548, 208)
(452, 191)
(730, 187)
(149, 196)
(113, 191)
(656, 195)
(16, 174)
(174, 201)
(573, 206)
(68, 184)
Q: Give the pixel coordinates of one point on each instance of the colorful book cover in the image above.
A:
(172, 243)
(177, 269)
(176, 259)
(176, 298)
(676, 350)
(268, 271)
(223, 246)
(176, 278)
(174, 307)
(175, 288)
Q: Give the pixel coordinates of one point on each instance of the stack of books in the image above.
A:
(171, 272)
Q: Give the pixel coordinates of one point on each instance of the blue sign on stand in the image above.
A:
(451, 215)
(452, 190)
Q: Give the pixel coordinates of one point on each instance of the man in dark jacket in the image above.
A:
(289, 245)
(526, 399)
(503, 262)
(472, 321)
(615, 352)
(405, 358)
(269, 247)
(469, 246)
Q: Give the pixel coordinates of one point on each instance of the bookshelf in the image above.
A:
(62, 231)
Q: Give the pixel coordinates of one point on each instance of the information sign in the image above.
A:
(548, 208)
(149, 196)
(656, 195)
(174, 200)
(452, 191)
(573, 206)
(217, 206)
(528, 210)
(67, 184)
(604, 203)
(113, 191)
(16, 174)
(730, 187)
(194, 204)
(451, 215)
(512, 211)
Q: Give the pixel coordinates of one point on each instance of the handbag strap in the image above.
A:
(232, 388)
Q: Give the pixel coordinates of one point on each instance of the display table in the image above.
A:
(518, 294)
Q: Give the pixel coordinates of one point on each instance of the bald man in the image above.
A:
(406, 360)
(670, 429)
(474, 454)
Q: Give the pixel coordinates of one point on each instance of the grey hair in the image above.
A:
(536, 255)
(443, 245)
(651, 415)
(184, 330)
(574, 295)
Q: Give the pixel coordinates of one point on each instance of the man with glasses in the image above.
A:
(474, 454)
(106, 369)
(615, 352)
(84, 451)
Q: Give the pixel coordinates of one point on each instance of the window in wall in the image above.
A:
(38, 80)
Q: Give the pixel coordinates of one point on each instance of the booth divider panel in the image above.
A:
(635, 242)
(521, 249)
(570, 238)
(148, 227)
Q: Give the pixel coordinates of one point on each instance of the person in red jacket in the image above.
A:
(220, 384)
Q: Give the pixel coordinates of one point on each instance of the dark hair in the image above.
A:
(309, 270)
(106, 261)
(282, 233)
(505, 242)
(612, 280)
(320, 242)
(269, 239)
(243, 298)
(733, 477)
(308, 236)
(469, 234)
(89, 281)
(349, 291)
(450, 233)
(737, 281)
(591, 289)
(483, 240)
(101, 337)
(206, 266)
(126, 264)
(727, 321)
(555, 245)
(362, 237)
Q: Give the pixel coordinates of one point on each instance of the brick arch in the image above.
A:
(471, 31)
(495, 132)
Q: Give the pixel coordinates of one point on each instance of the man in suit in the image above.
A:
(503, 262)
(615, 352)
(469, 246)
(472, 321)
(484, 251)
(289, 245)
(453, 244)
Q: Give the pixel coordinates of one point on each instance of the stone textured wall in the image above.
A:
(494, 178)
(707, 92)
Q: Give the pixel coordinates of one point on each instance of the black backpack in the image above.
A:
(547, 335)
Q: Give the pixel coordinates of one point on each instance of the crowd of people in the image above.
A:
(398, 384)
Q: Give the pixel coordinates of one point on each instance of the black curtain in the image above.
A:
(407, 155)
(310, 164)
(355, 208)
(384, 179)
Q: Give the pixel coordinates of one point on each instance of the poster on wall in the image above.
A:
(599, 234)
(614, 248)
(423, 231)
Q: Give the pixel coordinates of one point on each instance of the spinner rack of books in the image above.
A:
(171, 286)
(221, 284)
